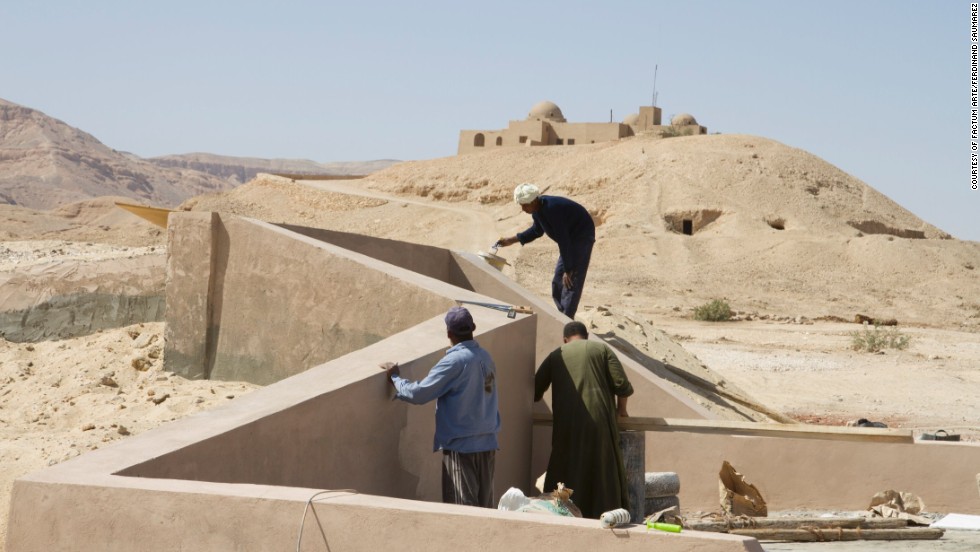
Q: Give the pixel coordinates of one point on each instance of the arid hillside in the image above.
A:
(243, 169)
(45, 163)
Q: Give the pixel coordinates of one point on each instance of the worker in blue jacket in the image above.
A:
(570, 225)
(464, 386)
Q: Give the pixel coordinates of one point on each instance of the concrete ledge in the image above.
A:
(269, 519)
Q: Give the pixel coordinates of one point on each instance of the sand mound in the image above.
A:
(773, 228)
(95, 220)
(746, 182)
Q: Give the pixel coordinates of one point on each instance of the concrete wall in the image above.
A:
(202, 516)
(820, 473)
(275, 302)
(649, 117)
(545, 133)
(239, 477)
(434, 262)
(333, 426)
(190, 258)
(587, 133)
(350, 435)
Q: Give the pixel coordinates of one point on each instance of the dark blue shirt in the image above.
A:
(564, 221)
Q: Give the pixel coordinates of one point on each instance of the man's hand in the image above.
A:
(390, 368)
(621, 407)
(504, 242)
(566, 280)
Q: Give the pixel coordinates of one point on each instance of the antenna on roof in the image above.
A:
(610, 115)
(655, 67)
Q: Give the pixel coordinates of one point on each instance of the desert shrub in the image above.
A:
(714, 311)
(671, 132)
(873, 340)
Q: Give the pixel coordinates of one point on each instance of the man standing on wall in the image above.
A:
(467, 419)
(570, 225)
(589, 391)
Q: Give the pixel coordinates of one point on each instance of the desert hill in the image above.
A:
(774, 229)
(95, 220)
(45, 163)
(243, 169)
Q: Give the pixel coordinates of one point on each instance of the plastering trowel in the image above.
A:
(511, 310)
(492, 258)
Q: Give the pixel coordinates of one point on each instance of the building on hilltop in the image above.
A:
(545, 125)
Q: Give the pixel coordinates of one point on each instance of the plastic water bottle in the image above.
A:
(612, 518)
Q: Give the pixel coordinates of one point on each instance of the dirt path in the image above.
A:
(473, 237)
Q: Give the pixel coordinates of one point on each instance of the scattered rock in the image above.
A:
(88, 427)
(108, 381)
(122, 430)
(145, 340)
(160, 399)
(141, 364)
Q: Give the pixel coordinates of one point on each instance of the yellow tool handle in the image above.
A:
(523, 310)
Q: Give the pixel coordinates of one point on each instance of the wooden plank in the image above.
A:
(723, 526)
(155, 215)
(787, 431)
(819, 535)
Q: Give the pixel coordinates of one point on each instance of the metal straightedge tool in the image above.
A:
(511, 310)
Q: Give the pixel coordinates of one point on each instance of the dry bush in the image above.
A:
(714, 311)
(878, 339)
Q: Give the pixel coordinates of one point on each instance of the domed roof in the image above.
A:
(546, 110)
(683, 119)
(632, 119)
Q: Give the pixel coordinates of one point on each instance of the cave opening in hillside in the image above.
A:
(690, 221)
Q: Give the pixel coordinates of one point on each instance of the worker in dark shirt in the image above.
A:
(571, 226)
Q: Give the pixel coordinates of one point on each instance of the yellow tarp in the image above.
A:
(154, 215)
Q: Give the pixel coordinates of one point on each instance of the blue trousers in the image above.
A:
(566, 299)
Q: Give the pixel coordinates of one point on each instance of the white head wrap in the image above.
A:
(526, 193)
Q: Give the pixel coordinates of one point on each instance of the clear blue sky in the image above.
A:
(879, 88)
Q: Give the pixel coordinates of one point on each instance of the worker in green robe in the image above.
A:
(589, 390)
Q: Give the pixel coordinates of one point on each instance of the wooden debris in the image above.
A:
(723, 526)
(823, 535)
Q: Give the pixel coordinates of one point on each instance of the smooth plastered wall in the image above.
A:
(252, 301)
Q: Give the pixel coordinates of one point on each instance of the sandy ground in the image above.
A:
(810, 372)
